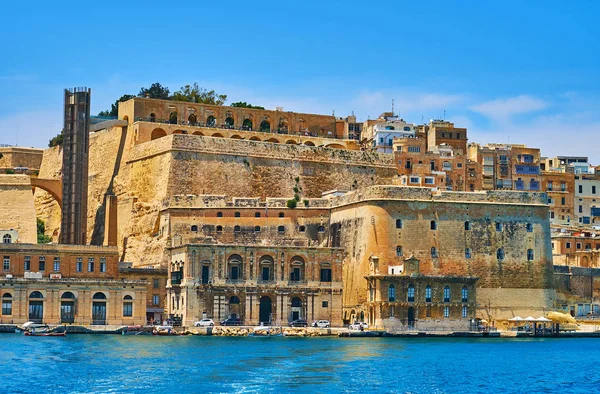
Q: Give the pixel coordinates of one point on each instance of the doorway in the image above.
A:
(265, 310)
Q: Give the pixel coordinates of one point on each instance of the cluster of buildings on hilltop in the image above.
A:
(270, 216)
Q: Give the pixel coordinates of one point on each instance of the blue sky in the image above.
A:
(513, 71)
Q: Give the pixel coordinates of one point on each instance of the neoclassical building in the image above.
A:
(67, 284)
(257, 284)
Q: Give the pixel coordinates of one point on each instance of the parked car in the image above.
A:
(322, 324)
(204, 323)
(358, 326)
(298, 323)
(232, 321)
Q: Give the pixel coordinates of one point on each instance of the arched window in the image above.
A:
(447, 294)
(398, 223)
(411, 293)
(68, 294)
(399, 251)
(36, 294)
(302, 229)
(467, 225)
(211, 121)
(219, 229)
(433, 225)
(281, 229)
(256, 214)
(428, 294)
(6, 239)
(392, 293)
(321, 229)
(6, 304)
(99, 296)
(234, 300)
(173, 118)
(127, 306)
(281, 214)
(465, 294)
(296, 302)
(529, 227)
(237, 229)
(434, 252)
(219, 214)
(529, 254)
(195, 228)
(257, 229)
(500, 254)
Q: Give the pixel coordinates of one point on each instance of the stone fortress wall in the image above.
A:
(16, 207)
(365, 224)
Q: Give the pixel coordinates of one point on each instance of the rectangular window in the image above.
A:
(562, 201)
(325, 274)
(42, 264)
(6, 263)
(593, 189)
(102, 264)
(27, 263)
(429, 181)
(91, 264)
(79, 264)
(446, 311)
(428, 311)
(581, 209)
(580, 189)
(465, 311)
(56, 265)
(568, 245)
(498, 226)
(155, 299)
(563, 187)
(467, 253)
(414, 149)
(578, 245)
(325, 304)
(156, 283)
(414, 179)
(127, 309)
(399, 251)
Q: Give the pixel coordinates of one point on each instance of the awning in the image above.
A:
(154, 310)
(516, 318)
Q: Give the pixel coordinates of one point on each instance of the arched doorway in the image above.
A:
(211, 121)
(173, 118)
(229, 122)
(99, 309)
(265, 310)
(265, 126)
(67, 307)
(36, 307)
(192, 119)
(296, 309)
(411, 318)
(152, 117)
(247, 124)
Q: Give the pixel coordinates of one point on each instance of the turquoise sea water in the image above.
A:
(136, 364)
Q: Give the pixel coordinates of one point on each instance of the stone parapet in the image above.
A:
(232, 147)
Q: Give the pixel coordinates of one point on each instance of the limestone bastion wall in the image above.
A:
(17, 211)
(206, 165)
(46, 207)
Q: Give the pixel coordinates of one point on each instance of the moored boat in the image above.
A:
(45, 334)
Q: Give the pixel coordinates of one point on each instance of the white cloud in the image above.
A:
(503, 109)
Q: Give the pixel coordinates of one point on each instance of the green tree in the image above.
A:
(57, 140)
(243, 104)
(195, 94)
(114, 108)
(155, 91)
(42, 238)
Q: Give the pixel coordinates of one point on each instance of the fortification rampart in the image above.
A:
(223, 201)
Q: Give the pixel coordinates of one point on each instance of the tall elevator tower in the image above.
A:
(75, 166)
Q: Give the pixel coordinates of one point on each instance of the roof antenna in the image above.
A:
(392, 107)
(444, 114)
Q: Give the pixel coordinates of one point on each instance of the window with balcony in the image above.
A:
(411, 293)
(428, 294)
(392, 293)
(56, 264)
(447, 294)
(27, 263)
